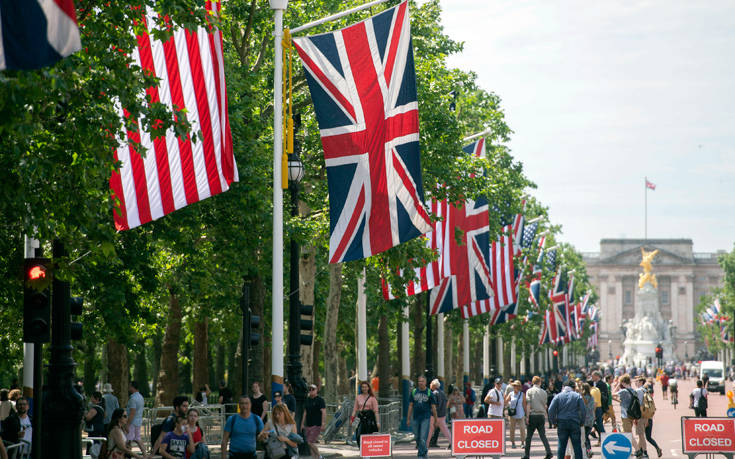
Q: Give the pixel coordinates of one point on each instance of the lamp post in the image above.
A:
(609, 349)
(686, 352)
(295, 175)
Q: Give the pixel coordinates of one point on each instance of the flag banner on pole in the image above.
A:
(37, 33)
(650, 185)
(534, 287)
(559, 301)
(177, 172)
(363, 86)
(442, 237)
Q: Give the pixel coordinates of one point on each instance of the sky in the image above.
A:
(602, 94)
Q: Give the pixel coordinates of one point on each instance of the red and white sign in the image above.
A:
(478, 437)
(375, 445)
(708, 435)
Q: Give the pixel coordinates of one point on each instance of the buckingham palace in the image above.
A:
(683, 277)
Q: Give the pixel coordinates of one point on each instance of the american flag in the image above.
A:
(592, 341)
(37, 33)
(176, 171)
(428, 276)
(534, 287)
(363, 87)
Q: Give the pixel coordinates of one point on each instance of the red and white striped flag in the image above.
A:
(177, 172)
(650, 185)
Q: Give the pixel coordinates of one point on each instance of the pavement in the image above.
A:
(666, 430)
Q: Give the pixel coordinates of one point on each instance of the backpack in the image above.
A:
(702, 405)
(634, 410)
(649, 406)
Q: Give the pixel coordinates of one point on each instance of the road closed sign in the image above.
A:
(375, 445)
(708, 435)
(478, 437)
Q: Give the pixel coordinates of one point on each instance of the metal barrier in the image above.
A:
(15, 450)
(211, 420)
(339, 429)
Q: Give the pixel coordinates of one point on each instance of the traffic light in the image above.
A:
(659, 352)
(556, 353)
(36, 300)
(306, 324)
(254, 336)
(76, 305)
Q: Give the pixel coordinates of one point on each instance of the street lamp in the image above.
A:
(609, 349)
(686, 352)
(294, 367)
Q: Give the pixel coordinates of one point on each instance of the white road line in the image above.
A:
(673, 453)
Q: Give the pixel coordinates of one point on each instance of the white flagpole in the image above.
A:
(479, 134)
(466, 349)
(309, 25)
(278, 7)
(645, 208)
(440, 347)
(362, 331)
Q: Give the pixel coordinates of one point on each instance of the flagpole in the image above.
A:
(278, 7)
(321, 21)
(479, 134)
(645, 208)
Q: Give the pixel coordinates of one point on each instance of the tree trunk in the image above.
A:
(259, 354)
(330, 332)
(307, 281)
(219, 369)
(235, 377)
(343, 376)
(201, 353)
(156, 351)
(185, 369)
(448, 352)
(90, 366)
(384, 357)
(315, 374)
(140, 373)
(118, 369)
(459, 367)
(169, 367)
(419, 325)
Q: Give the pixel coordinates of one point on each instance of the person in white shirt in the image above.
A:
(26, 428)
(495, 400)
(696, 397)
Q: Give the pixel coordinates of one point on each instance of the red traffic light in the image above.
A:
(556, 353)
(37, 272)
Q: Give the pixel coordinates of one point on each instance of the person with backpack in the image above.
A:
(422, 405)
(630, 411)
(158, 431)
(648, 410)
(241, 431)
(94, 423)
(366, 410)
(698, 400)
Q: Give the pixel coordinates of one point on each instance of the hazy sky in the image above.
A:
(601, 94)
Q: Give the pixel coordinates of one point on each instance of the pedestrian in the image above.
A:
(469, 399)
(441, 415)
(177, 443)
(422, 405)
(536, 399)
(94, 423)
(181, 408)
(192, 428)
(314, 420)
(517, 409)
(5, 404)
(589, 416)
(241, 430)
(485, 389)
(626, 395)
(697, 400)
(26, 426)
(135, 415)
(665, 385)
(111, 403)
(495, 400)
(288, 398)
(280, 435)
(648, 411)
(567, 412)
(225, 394)
(117, 445)
(258, 399)
(366, 409)
(455, 403)
(597, 414)
(599, 391)
(609, 412)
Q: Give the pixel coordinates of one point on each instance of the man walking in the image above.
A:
(26, 428)
(111, 403)
(241, 430)
(422, 405)
(536, 398)
(441, 414)
(495, 400)
(135, 416)
(625, 395)
(314, 420)
(567, 412)
(181, 406)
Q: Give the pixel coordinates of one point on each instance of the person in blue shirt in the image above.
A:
(240, 432)
(567, 411)
(422, 405)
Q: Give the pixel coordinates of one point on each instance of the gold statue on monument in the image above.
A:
(647, 275)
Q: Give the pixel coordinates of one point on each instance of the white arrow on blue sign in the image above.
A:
(616, 446)
(731, 413)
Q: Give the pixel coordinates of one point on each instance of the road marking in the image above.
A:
(673, 453)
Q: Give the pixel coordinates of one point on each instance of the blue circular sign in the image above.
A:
(616, 446)
(731, 413)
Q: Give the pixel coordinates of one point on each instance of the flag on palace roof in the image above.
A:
(177, 171)
(650, 185)
(363, 87)
(37, 33)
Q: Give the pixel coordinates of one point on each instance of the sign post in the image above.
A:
(375, 445)
(616, 445)
(708, 436)
(478, 437)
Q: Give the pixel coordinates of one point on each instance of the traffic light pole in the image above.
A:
(62, 406)
(36, 447)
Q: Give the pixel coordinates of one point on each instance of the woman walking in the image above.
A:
(517, 409)
(366, 409)
(589, 419)
(455, 403)
(280, 434)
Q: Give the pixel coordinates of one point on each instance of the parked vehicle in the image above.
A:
(715, 371)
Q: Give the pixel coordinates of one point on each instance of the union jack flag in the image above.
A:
(592, 341)
(550, 328)
(559, 305)
(363, 85)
